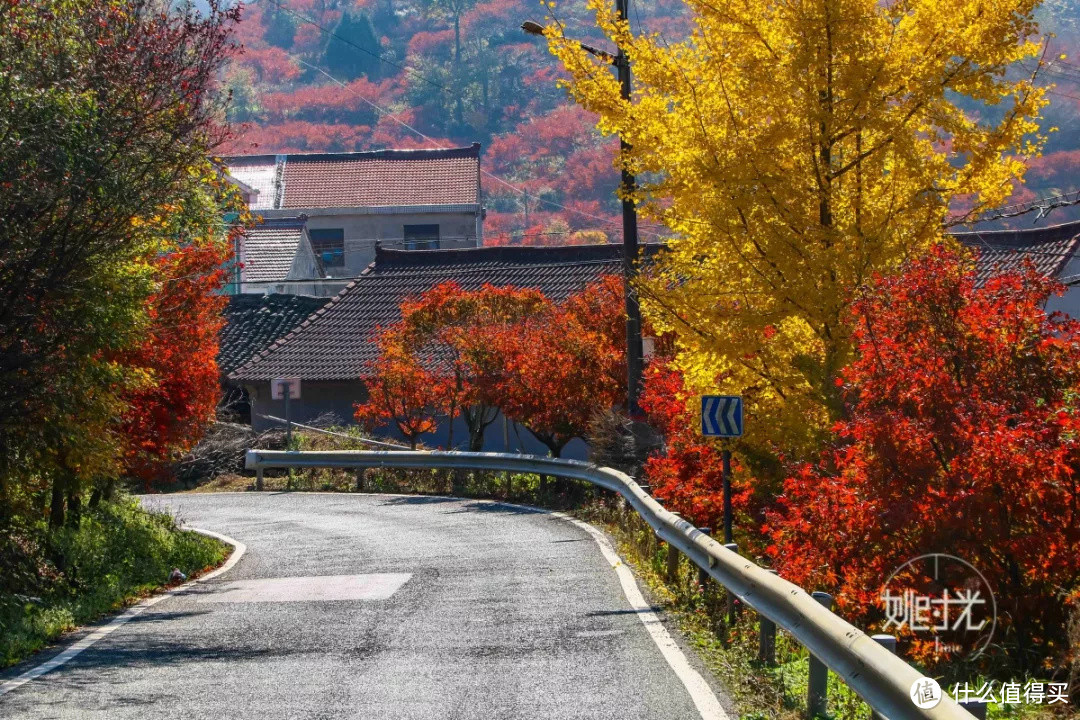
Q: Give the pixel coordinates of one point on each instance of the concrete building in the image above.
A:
(407, 199)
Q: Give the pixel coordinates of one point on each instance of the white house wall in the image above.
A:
(361, 230)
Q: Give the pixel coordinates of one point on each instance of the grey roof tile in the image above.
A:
(253, 322)
(268, 249)
(1048, 248)
(337, 342)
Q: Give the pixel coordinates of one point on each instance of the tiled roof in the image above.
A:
(382, 178)
(268, 249)
(1049, 248)
(337, 342)
(258, 172)
(252, 322)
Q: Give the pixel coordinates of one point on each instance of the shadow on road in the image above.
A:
(498, 509)
(156, 617)
(602, 613)
(466, 505)
(419, 500)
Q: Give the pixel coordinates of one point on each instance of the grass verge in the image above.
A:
(118, 554)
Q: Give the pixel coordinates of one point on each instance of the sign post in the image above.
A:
(287, 389)
(722, 416)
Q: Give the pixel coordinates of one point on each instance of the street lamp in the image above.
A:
(634, 349)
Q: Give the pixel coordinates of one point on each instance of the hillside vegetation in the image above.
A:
(344, 75)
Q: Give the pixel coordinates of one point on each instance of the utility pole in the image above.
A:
(634, 350)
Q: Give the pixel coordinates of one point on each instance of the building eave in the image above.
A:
(464, 209)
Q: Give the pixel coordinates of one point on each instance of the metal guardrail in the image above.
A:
(882, 679)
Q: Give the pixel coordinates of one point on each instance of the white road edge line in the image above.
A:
(703, 696)
(33, 673)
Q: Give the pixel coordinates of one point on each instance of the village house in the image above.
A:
(331, 350)
(352, 202)
(276, 256)
(1052, 250)
(252, 323)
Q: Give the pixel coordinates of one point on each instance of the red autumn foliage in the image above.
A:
(962, 438)
(167, 417)
(548, 366)
(564, 365)
(271, 64)
(353, 103)
(454, 327)
(401, 391)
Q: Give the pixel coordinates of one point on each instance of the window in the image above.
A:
(329, 246)
(421, 237)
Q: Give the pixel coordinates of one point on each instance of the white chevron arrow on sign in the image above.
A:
(721, 415)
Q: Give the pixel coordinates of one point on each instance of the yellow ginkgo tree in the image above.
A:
(793, 148)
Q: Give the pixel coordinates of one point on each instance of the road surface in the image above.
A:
(375, 606)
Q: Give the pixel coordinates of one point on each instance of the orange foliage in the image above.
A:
(168, 416)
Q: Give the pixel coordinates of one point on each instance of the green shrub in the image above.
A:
(118, 553)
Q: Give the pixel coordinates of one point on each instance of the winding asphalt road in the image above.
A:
(375, 606)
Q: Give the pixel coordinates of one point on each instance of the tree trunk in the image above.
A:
(450, 431)
(460, 111)
(56, 507)
(74, 505)
(476, 441)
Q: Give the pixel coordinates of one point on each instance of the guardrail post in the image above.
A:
(889, 643)
(702, 576)
(818, 685)
(672, 564)
(975, 707)
(730, 596)
(359, 480)
(672, 575)
(767, 638)
(258, 479)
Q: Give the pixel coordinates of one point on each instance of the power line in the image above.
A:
(387, 113)
(1044, 206)
(438, 146)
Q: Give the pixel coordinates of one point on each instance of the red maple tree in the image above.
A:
(962, 438)
(454, 327)
(168, 414)
(401, 390)
(562, 366)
